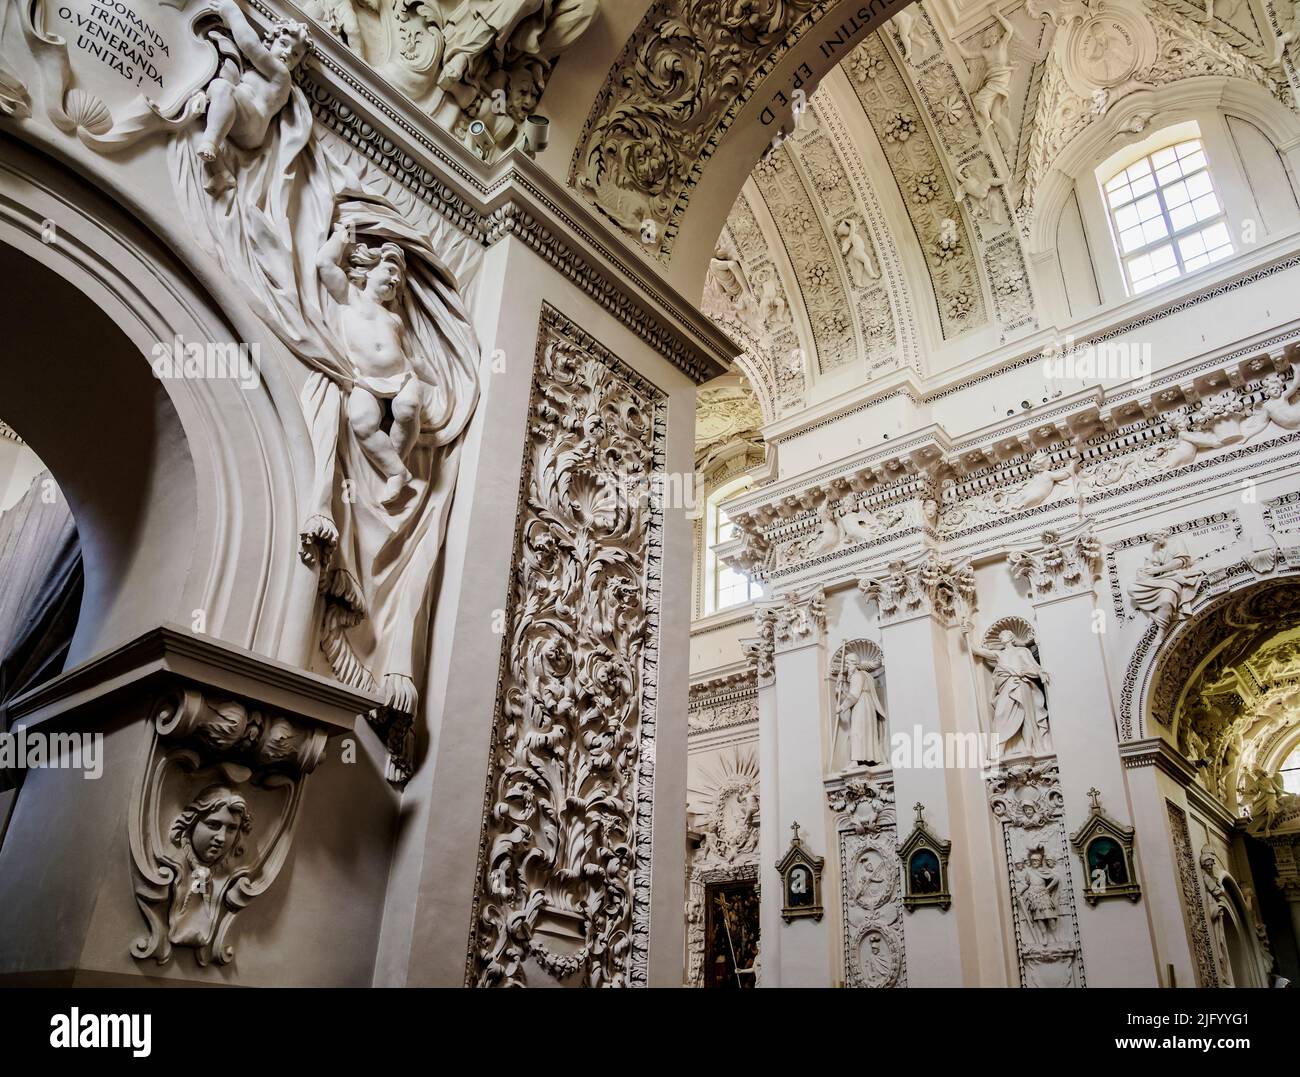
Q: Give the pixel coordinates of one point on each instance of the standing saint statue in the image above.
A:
(859, 708)
(358, 295)
(1019, 696)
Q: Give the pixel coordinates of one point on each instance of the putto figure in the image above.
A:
(253, 84)
(386, 391)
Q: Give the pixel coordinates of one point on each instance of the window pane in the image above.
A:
(1168, 174)
(1126, 217)
(1144, 185)
(1182, 217)
(1145, 221)
(1199, 184)
(1291, 772)
(1132, 239)
(1176, 194)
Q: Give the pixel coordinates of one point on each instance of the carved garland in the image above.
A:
(564, 883)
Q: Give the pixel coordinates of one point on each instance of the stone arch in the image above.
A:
(1186, 685)
(672, 173)
(182, 488)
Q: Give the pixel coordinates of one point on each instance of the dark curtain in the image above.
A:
(40, 591)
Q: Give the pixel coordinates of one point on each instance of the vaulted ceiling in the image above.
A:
(887, 230)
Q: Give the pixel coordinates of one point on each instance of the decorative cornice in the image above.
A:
(168, 652)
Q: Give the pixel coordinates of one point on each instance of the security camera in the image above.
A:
(481, 137)
(537, 133)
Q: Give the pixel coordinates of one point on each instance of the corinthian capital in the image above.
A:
(801, 618)
(928, 584)
(1064, 562)
(760, 649)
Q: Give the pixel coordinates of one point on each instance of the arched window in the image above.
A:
(1167, 218)
(1290, 771)
(724, 586)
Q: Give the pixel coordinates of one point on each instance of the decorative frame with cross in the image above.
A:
(1106, 849)
(922, 851)
(801, 881)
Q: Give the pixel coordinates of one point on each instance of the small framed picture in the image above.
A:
(801, 881)
(1106, 849)
(925, 867)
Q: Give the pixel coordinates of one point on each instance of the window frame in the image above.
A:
(1179, 135)
(713, 566)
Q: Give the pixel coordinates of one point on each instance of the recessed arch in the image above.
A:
(191, 517)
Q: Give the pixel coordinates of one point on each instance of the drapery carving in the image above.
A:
(361, 298)
(564, 882)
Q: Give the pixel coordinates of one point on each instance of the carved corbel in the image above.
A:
(213, 820)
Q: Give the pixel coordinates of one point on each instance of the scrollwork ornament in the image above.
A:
(564, 877)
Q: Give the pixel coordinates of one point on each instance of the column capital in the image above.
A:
(800, 619)
(926, 585)
(1064, 562)
(760, 649)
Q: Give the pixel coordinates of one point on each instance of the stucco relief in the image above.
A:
(914, 159)
(214, 818)
(463, 61)
(564, 885)
(769, 327)
(1026, 799)
(723, 703)
(819, 270)
(1153, 45)
(670, 97)
(870, 886)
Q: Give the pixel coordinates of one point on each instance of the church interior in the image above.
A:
(711, 494)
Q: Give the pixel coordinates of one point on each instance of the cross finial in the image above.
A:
(1095, 794)
(795, 827)
(919, 808)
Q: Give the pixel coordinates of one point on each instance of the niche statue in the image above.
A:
(858, 708)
